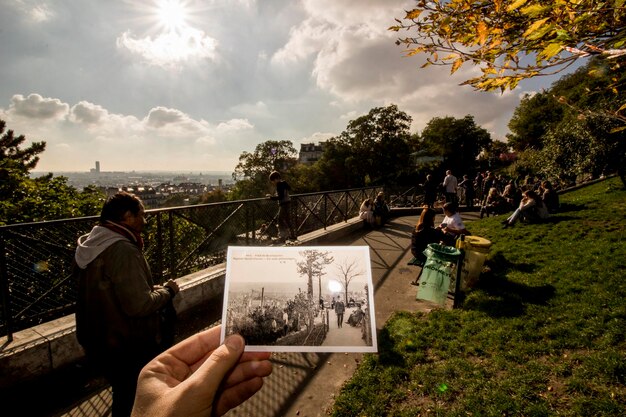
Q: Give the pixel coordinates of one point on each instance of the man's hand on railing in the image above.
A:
(172, 287)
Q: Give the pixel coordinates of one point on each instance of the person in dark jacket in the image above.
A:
(119, 309)
(285, 228)
(425, 232)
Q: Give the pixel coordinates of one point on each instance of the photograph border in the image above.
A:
(364, 257)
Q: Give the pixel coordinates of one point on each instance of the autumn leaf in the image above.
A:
(516, 5)
(482, 33)
(413, 14)
(456, 65)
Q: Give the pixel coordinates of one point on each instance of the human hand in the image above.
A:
(200, 377)
(173, 285)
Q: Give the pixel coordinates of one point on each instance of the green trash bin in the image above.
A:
(476, 250)
(437, 272)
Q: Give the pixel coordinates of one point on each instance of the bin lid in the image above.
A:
(478, 241)
(442, 252)
(476, 244)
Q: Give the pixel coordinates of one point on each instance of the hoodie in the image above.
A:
(94, 243)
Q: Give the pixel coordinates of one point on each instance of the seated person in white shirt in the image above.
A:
(452, 224)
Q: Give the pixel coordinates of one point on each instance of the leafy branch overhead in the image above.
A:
(512, 40)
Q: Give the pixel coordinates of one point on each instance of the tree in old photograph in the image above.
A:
(312, 265)
(348, 270)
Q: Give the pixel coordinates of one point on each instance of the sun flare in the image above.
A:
(172, 14)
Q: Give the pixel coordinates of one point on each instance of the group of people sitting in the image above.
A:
(450, 228)
(532, 204)
(374, 213)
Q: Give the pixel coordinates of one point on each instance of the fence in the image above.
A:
(36, 283)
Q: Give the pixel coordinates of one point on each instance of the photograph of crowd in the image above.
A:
(300, 299)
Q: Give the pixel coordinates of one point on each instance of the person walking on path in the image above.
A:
(450, 184)
(340, 308)
(285, 228)
(120, 312)
(430, 191)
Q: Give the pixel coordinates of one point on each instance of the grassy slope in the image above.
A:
(544, 334)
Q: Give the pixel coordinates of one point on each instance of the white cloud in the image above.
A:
(171, 48)
(36, 107)
(88, 113)
(234, 125)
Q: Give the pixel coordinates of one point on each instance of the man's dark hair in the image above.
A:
(117, 205)
(275, 175)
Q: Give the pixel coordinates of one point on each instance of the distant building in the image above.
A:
(95, 170)
(310, 152)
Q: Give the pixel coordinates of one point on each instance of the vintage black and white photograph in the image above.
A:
(300, 298)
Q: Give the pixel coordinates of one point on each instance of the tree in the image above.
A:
(374, 149)
(312, 265)
(543, 118)
(458, 141)
(253, 169)
(512, 40)
(531, 119)
(24, 199)
(348, 271)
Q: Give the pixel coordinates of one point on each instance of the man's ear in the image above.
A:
(127, 217)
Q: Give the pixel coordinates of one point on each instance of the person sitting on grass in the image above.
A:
(531, 209)
(494, 203)
(424, 234)
(452, 226)
(550, 197)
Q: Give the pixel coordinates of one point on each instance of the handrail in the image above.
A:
(36, 259)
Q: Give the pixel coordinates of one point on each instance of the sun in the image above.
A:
(172, 14)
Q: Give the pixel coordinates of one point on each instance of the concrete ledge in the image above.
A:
(46, 348)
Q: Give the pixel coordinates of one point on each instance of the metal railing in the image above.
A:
(36, 282)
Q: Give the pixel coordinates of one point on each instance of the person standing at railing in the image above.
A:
(285, 228)
(450, 184)
(123, 320)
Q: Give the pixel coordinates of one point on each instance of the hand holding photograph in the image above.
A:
(300, 298)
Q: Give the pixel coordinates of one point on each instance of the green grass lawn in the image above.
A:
(542, 335)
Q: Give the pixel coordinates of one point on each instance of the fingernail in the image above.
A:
(234, 342)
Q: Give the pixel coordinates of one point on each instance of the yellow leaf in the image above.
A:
(536, 25)
(457, 64)
(449, 57)
(534, 10)
(551, 50)
(516, 5)
(622, 108)
(618, 129)
(413, 14)
(482, 33)
(619, 4)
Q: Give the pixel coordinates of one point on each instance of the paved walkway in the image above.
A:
(305, 384)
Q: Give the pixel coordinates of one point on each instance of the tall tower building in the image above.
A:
(97, 167)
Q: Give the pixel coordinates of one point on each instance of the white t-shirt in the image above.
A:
(453, 222)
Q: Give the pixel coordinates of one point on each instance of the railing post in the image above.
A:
(345, 212)
(160, 246)
(4, 288)
(325, 216)
(172, 254)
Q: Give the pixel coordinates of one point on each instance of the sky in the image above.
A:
(188, 85)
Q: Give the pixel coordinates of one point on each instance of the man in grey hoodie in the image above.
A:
(119, 308)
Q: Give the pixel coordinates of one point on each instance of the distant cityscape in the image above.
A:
(156, 187)
(153, 187)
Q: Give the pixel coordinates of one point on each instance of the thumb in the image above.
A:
(208, 378)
